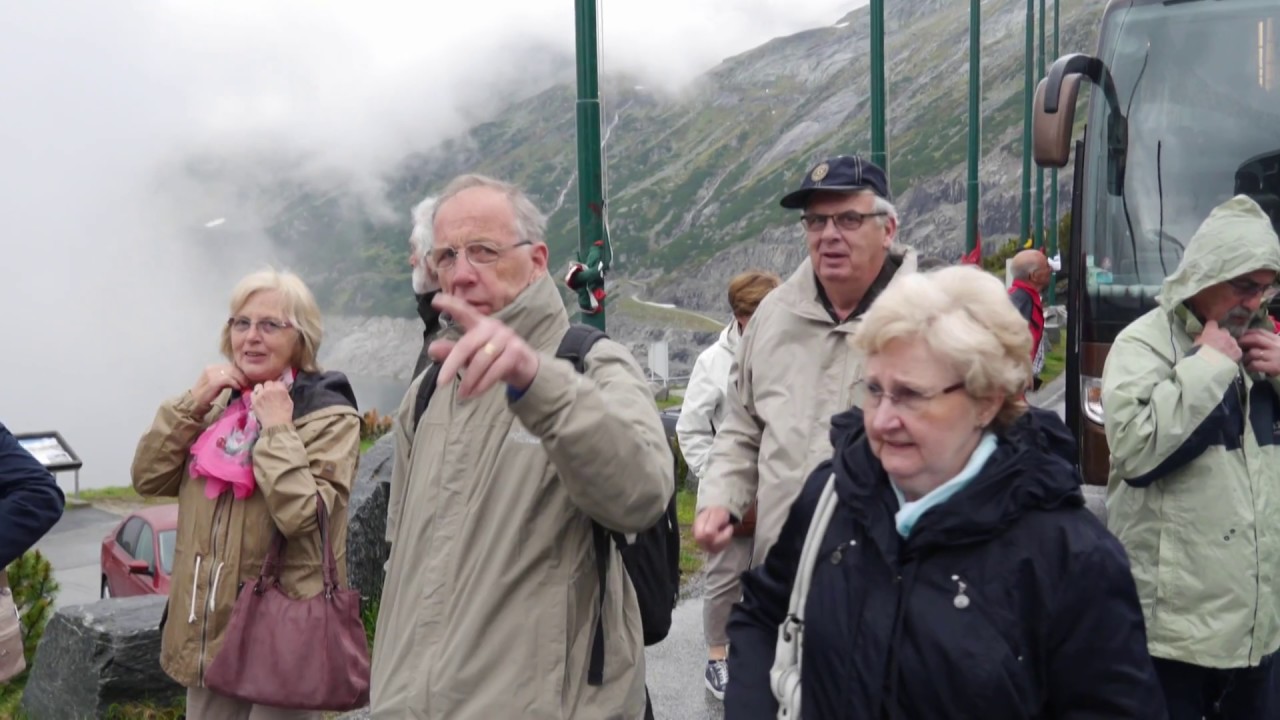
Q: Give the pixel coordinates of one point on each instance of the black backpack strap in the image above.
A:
(575, 345)
(425, 391)
(595, 668)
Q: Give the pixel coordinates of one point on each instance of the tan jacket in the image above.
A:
(221, 543)
(490, 600)
(794, 369)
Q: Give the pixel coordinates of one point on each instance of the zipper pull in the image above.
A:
(961, 601)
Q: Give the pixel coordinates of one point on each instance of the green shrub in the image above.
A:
(31, 581)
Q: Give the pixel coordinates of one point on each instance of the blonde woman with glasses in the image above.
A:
(246, 451)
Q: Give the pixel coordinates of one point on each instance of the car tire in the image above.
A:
(105, 592)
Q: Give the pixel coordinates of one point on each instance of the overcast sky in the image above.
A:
(113, 291)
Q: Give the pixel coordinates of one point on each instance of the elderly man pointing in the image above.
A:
(491, 600)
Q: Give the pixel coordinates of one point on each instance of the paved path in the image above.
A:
(74, 547)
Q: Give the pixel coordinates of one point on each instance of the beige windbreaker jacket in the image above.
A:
(795, 368)
(221, 543)
(490, 600)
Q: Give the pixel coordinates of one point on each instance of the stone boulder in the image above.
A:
(367, 548)
(1095, 498)
(98, 655)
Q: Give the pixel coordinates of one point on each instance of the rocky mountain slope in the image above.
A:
(693, 179)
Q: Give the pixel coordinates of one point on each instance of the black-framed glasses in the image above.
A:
(906, 399)
(478, 253)
(266, 326)
(1246, 289)
(849, 220)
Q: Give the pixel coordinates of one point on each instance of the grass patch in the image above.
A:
(366, 443)
(1055, 361)
(148, 711)
(690, 554)
(669, 317)
(124, 494)
(111, 493)
(669, 402)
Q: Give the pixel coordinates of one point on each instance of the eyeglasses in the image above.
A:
(1246, 289)
(905, 399)
(849, 220)
(266, 326)
(478, 253)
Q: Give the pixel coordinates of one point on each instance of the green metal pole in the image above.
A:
(975, 123)
(1026, 124)
(1039, 209)
(1053, 178)
(591, 227)
(879, 144)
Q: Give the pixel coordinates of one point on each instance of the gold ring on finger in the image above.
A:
(490, 349)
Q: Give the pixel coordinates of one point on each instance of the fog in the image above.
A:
(116, 264)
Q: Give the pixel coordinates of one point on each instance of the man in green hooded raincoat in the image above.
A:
(1193, 421)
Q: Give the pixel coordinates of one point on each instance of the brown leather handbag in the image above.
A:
(298, 654)
(12, 658)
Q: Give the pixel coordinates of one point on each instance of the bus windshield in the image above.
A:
(1200, 85)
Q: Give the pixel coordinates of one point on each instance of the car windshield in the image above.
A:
(167, 540)
(1199, 84)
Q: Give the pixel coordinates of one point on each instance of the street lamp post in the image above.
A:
(593, 242)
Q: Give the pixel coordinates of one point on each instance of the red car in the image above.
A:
(137, 557)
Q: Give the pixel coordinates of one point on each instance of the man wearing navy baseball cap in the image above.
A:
(795, 365)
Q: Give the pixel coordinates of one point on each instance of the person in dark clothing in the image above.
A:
(960, 575)
(425, 283)
(30, 500)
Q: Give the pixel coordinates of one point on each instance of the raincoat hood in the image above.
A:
(1237, 238)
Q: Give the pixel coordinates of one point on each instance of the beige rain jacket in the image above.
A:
(221, 543)
(795, 368)
(489, 606)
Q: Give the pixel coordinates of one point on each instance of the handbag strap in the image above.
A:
(270, 572)
(808, 555)
(330, 562)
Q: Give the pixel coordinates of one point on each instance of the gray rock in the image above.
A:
(1095, 498)
(367, 548)
(98, 655)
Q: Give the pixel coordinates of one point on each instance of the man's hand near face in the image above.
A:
(1261, 352)
(488, 352)
(1219, 339)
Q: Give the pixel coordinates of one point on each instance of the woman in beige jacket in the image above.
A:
(300, 439)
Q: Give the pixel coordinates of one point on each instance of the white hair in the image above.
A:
(420, 238)
(530, 223)
(964, 316)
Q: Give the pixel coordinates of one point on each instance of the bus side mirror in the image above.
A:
(1055, 110)
(1051, 131)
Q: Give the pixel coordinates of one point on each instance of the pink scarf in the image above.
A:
(224, 452)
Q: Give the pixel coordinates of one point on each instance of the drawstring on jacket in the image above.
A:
(213, 590)
(195, 579)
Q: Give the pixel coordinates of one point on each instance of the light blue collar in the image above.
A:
(909, 512)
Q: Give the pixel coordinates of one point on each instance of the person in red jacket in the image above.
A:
(1031, 275)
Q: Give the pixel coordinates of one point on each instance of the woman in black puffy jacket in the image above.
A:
(959, 574)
